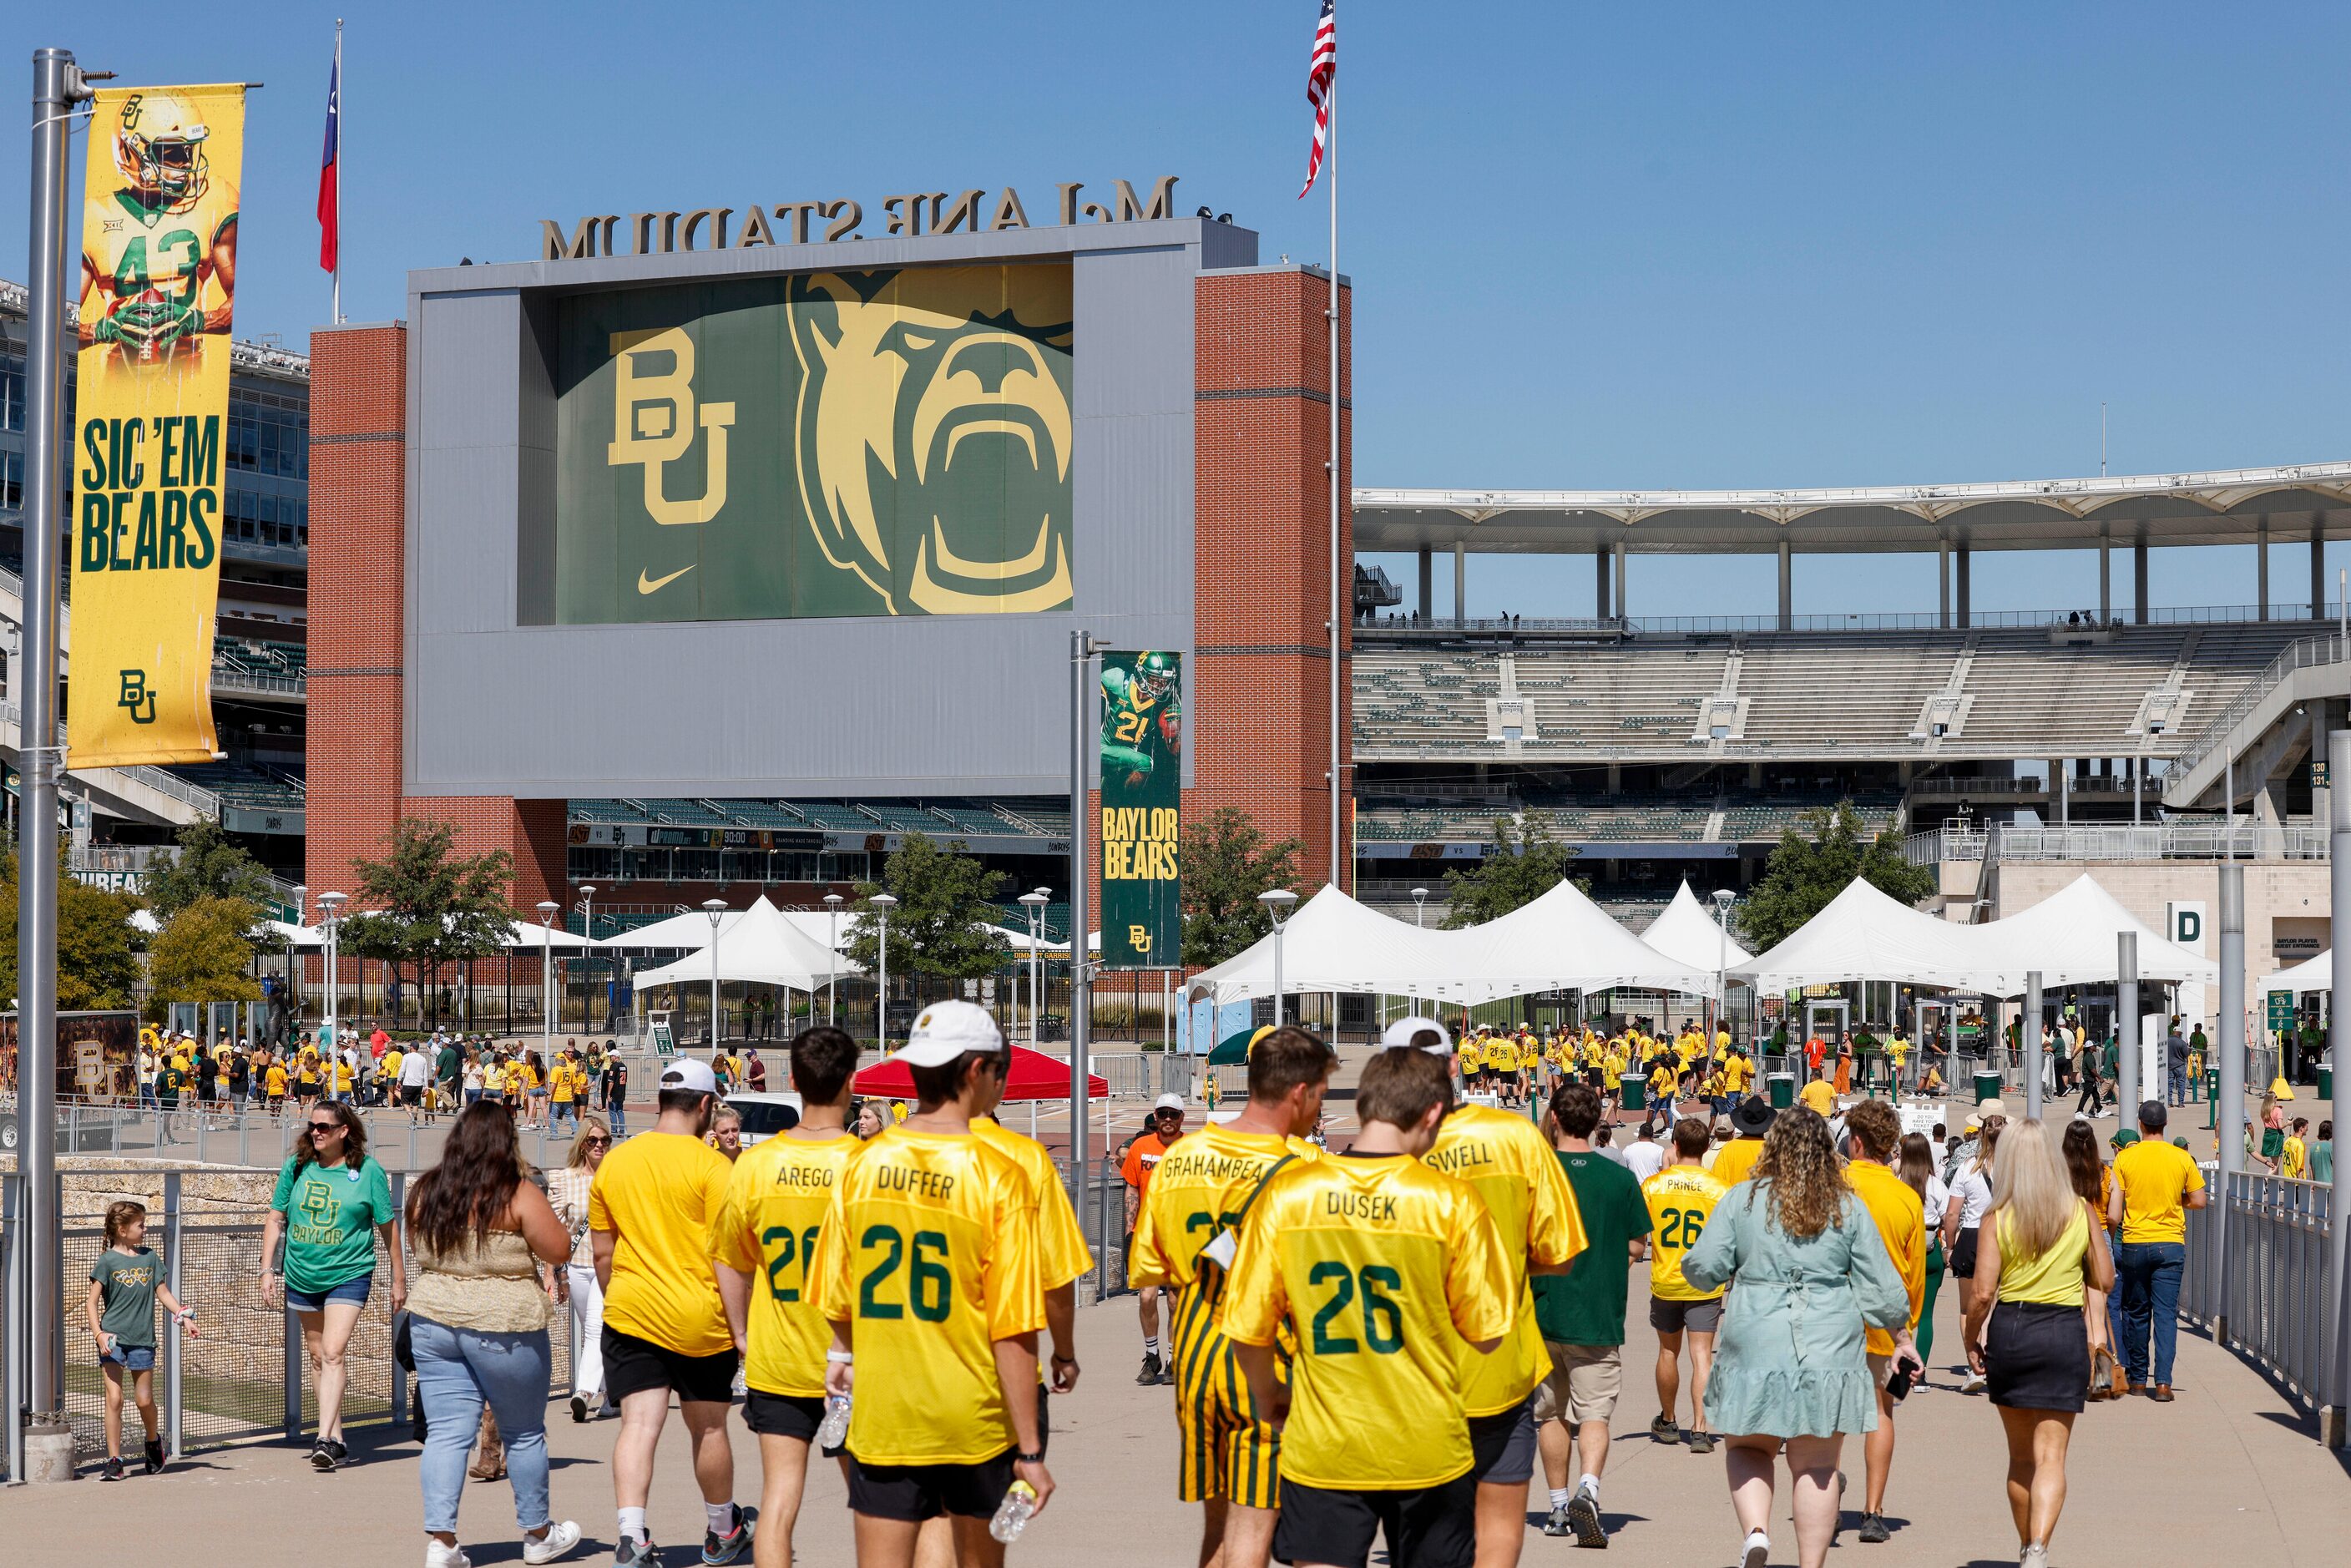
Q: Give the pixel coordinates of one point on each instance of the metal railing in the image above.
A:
(2270, 1303)
(2166, 842)
(155, 779)
(2308, 654)
(1890, 621)
(225, 1136)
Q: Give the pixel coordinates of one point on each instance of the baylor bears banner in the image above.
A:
(158, 286)
(889, 443)
(1142, 827)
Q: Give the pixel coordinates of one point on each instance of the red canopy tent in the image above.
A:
(1034, 1076)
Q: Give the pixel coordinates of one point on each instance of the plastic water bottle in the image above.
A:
(835, 1429)
(1013, 1513)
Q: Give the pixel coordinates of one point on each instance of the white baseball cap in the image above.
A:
(686, 1073)
(1400, 1033)
(1169, 1103)
(945, 1030)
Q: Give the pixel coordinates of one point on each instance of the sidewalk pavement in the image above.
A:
(2229, 1472)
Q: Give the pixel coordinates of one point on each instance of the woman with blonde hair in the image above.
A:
(569, 1189)
(1790, 1366)
(2040, 1252)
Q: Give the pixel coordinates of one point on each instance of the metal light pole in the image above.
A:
(715, 908)
(1082, 649)
(832, 937)
(293, 992)
(2035, 1049)
(57, 84)
(1278, 903)
(331, 907)
(587, 963)
(2338, 1052)
(2130, 1066)
(885, 903)
(1419, 904)
(546, 1004)
(1034, 902)
(1722, 897)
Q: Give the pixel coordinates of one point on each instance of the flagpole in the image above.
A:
(338, 172)
(1338, 569)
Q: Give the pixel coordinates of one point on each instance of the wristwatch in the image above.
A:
(1021, 1458)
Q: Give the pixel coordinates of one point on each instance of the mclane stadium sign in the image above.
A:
(908, 212)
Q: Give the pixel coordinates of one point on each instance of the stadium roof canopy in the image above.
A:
(2231, 506)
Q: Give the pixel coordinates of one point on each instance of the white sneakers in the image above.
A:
(439, 1556)
(2033, 1556)
(1756, 1552)
(561, 1538)
(1976, 1384)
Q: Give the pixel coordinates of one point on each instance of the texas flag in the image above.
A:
(330, 191)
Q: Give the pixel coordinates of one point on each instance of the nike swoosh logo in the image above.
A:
(655, 584)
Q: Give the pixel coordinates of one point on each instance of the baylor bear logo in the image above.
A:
(934, 430)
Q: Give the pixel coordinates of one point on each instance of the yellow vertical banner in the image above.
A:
(150, 416)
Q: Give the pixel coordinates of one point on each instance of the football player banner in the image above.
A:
(158, 286)
(1141, 829)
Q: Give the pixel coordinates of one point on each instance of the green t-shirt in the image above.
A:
(127, 1282)
(1586, 1304)
(330, 1215)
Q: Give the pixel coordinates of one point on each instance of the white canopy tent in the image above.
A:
(2311, 975)
(1862, 934)
(1330, 944)
(687, 928)
(760, 947)
(1687, 933)
(525, 936)
(2070, 937)
(1560, 941)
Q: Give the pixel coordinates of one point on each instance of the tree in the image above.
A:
(209, 865)
(1818, 861)
(96, 966)
(203, 954)
(424, 904)
(1226, 862)
(1523, 864)
(944, 925)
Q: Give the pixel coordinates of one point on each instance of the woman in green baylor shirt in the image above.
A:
(331, 1199)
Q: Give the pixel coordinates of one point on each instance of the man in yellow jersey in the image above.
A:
(1681, 1199)
(1749, 1120)
(666, 1331)
(769, 1226)
(1511, 1167)
(1382, 1266)
(927, 1271)
(1466, 1056)
(1228, 1449)
(1873, 1136)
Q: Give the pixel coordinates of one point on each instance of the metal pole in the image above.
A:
(57, 84)
(1277, 976)
(1081, 653)
(399, 1181)
(1338, 568)
(2035, 1047)
(2129, 1069)
(2338, 1393)
(172, 1364)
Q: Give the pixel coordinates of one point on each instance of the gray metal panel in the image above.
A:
(875, 705)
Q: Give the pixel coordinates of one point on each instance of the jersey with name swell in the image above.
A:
(1383, 1266)
(767, 1227)
(1681, 1199)
(930, 1255)
(1513, 1169)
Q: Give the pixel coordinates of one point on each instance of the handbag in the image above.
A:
(2107, 1380)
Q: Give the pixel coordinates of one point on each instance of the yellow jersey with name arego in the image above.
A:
(769, 1226)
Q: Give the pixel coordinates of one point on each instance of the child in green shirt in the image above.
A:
(125, 1283)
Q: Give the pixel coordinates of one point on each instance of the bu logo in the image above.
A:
(1139, 938)
(653, 419)
(137, 697)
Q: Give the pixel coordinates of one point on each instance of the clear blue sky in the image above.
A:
(1692, 246)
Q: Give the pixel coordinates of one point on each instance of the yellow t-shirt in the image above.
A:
(1735, 1072)
(342, 1076)
(1662, 1079)
(929, 1254)
(1382, 1266)
(274, 1081)
(1467, 1055)
(2157, 1177)
(1818, 1096)
(1515, 1173)
(2294, 1160)
(1062, 1251)
(1681, 1199)
(657, 1194)
(390, 1069)
(560, 1083)
(2054, 1278)
(769, 1223)
(1901, 1216)
(1736, 1159)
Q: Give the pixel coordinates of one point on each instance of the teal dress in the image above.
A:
(1789, 1361)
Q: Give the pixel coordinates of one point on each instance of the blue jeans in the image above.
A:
(2147, 1295)
(620, 1122)
(456, 1369)
(2176, 1091)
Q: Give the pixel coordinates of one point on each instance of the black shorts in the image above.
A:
(916, 1492)
(1426, 1527)
(1502, 1445)
(633, 1365)
(785, 1415)
(1963, 1255)
(411, 1095)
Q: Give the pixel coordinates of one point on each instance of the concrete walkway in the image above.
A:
(2228, 1473)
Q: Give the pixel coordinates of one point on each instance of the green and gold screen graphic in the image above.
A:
(892, 443)
(1141, 823)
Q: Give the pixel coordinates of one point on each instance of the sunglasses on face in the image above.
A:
(599, 1142)
(318, 1129)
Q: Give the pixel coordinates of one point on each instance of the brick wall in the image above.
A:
(1259, 703)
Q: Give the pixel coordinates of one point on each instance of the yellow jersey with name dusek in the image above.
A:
(929, 1255)
(767, 1227)
(1514, 1172)
(1382, 1266)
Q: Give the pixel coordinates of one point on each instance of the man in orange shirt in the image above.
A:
(1166, 1125)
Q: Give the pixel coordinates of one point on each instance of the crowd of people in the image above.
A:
(896, 1291)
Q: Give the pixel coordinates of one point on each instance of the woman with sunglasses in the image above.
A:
(568, 1188)
(331, 1202)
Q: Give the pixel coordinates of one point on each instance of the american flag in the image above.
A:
(1319, 74)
